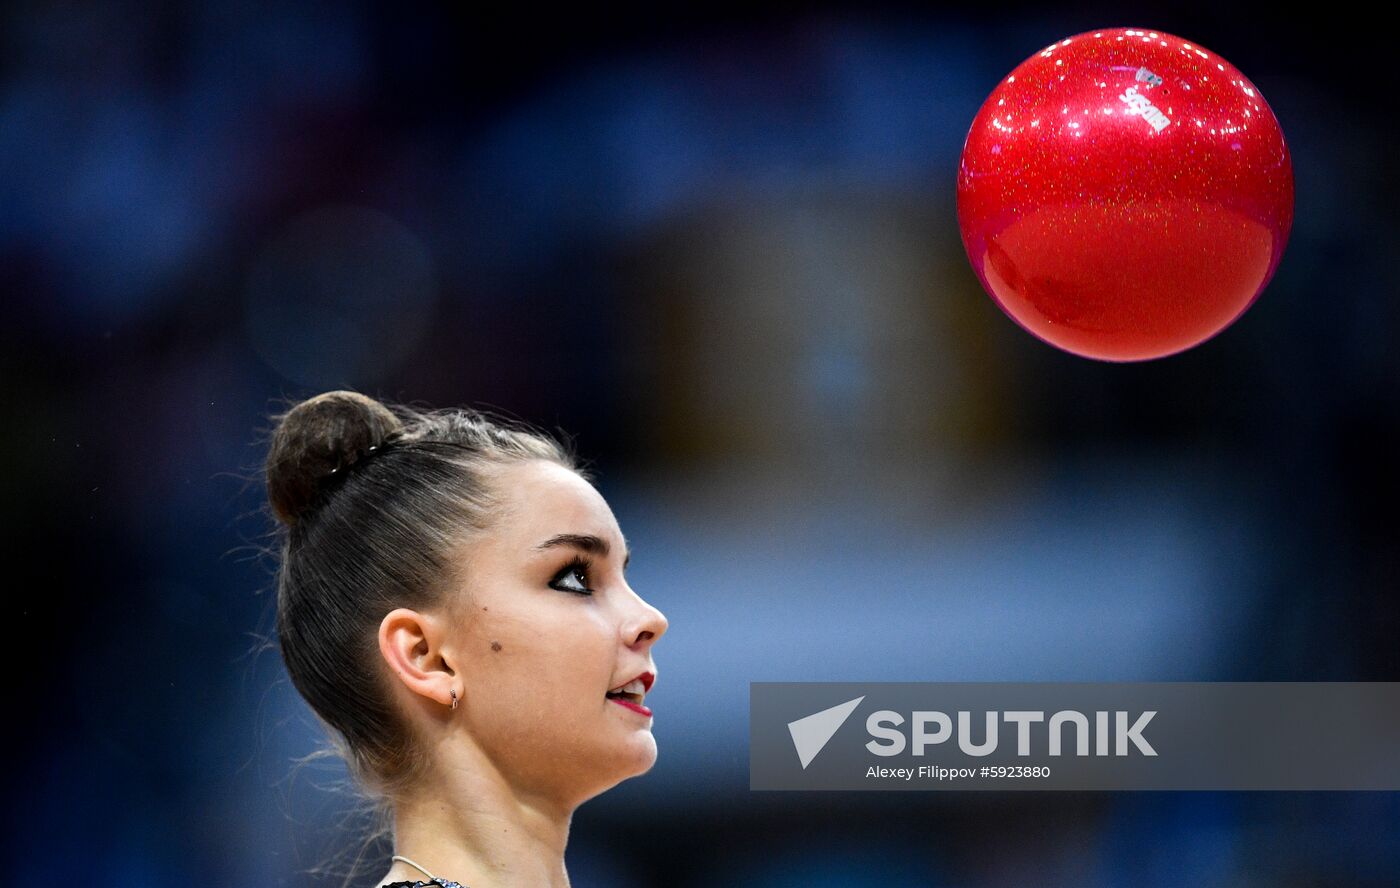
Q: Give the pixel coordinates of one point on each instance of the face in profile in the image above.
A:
(544, 626)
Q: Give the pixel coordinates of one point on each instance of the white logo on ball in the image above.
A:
(1140, 104)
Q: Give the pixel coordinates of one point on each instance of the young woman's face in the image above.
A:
(551, 626)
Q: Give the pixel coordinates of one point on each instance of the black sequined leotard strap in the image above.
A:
(435, 882)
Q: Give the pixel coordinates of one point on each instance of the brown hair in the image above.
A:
(373, 498)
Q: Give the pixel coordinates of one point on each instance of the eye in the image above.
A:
(577, 572)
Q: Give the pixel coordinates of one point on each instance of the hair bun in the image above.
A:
(314, 440)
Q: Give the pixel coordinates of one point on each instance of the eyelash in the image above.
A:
(579, 565)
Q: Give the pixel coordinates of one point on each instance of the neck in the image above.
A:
(470, 825)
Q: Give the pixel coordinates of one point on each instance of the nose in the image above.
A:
(645, 625)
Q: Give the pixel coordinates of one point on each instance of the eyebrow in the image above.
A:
(585, 541)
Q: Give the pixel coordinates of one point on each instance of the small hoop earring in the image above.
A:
(454, 698)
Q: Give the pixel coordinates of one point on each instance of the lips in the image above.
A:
(647, 679)
(631, 692)
(635, 707)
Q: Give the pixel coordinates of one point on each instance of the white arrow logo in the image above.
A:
(811, 733)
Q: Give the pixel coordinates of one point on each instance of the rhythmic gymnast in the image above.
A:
(452, 604)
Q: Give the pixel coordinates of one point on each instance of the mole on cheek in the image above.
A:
(495, 645)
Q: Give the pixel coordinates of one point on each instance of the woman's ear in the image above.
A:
(414, 645)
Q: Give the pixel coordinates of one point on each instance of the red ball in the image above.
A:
(1125, 194)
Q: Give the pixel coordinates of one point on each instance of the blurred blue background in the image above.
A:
(718, 247)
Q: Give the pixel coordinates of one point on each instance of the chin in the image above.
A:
(622, 769)
(637, 757)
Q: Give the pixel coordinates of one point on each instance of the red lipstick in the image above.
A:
(635, 707)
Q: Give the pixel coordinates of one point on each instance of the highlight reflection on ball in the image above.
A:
(1125, 194)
